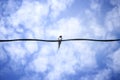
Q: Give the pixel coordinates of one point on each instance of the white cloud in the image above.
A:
(40, 64)
(69, 28)
(30, 14)
(99, 75)
(3, 30)
(95, 29)
(15, 51)
(57, 6)
(31, 47)
(115, 63)
(8, 7)
(95, 5)
(103, 75)
(44, 57)
(113, 18)
(115, 2)
(3, 56)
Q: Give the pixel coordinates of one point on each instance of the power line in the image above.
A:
(97, 40)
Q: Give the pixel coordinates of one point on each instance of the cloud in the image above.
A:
(31, 77)
(69, 28)
(115, 63)
(30, 12)
(113, 17)
(103, 75)
(115, 2)
(57, 6)
(42, 61)
(8, 7)
(95, 5)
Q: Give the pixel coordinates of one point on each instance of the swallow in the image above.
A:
(59, 41)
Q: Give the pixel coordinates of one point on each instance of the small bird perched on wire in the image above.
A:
(59, 41)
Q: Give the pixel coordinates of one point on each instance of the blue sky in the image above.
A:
(47, 19)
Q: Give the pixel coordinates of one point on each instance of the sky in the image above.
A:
(47, 19)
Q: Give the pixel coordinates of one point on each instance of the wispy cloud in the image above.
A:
(115, 64)
(57, 6)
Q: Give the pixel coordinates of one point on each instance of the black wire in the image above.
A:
(12, 40)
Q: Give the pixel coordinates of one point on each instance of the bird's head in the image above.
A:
(60, 36)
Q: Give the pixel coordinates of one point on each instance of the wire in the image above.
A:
(97, 40)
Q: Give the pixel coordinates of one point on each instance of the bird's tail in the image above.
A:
(59, 43)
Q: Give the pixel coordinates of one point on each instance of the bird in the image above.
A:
(59, 41)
